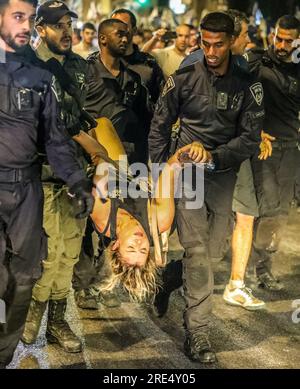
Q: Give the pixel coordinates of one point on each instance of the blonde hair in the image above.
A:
(140, 282)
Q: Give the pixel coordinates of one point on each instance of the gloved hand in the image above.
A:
(82, 198)
(74, 124)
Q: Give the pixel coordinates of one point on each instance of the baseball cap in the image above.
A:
(52, 11)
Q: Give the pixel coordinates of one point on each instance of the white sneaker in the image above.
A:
(242, 297)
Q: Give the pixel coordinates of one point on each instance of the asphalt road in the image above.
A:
(132, 337)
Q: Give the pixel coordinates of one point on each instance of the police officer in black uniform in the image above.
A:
(278, 69)
(30, 119)
(115, 91)
(54, 26)
(220, 108)
(142, 63)
(147, 67)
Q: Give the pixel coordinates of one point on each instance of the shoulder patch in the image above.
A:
(80, 77)
(186, 69)
(257, 92)
(169, 85)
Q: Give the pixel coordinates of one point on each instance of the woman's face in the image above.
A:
(133, 244)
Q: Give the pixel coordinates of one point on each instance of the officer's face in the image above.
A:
(16, 24)
(183, 38)
(58, 37)
(283, 43)
(241, 42)
(126, 19)
(115, 40)
(216, 47)
(88, 35)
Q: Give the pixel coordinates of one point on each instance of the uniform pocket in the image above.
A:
(43, 254)
(44, 246)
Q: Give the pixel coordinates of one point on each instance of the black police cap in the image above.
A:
(52, 11)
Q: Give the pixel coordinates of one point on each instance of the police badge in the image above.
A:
(169, 85)
(80, 77)
(257, 92)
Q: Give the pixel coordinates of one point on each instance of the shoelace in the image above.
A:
(247, 292)
(200, 342)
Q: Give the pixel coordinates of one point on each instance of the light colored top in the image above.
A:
(168, 59)
(82, 51)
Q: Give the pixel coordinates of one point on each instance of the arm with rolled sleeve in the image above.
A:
(249, 127)
(165, 115)
(58, 144)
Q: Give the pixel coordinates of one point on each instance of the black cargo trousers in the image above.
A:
(202, 230)
(23, 245)
(274, 181)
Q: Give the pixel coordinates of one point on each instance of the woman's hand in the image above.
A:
(194, 151)
(265, 146)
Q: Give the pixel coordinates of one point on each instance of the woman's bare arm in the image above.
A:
(168, 181)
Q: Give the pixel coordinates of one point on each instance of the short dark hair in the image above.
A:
(238, 17)
(108, 23)
(88, 26)
(218, 22)
(288, 22)
(4, 3)
(119, 11)
(190, 26)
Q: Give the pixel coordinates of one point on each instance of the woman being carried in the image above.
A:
(133, 224)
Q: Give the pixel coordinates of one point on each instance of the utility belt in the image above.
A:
(283, 145)
(20, 175)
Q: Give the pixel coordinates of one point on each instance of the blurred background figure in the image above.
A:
(86, 46)
(76, 38)
(170, 58)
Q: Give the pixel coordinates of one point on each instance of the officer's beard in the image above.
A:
(116, 52)
(10, 41)
(284, 55)
(52, 46)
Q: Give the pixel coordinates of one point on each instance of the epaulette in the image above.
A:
(254, 55)
(241, 68)
(186, 69)
(93, 57)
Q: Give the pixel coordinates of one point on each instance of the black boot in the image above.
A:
(33, 321)
(109, 298)
(267, 281)
(58, 330)
(85, 300)
(197, 347)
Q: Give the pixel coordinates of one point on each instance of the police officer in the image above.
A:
(142, 63)
(220, 109)
(30, 119)
(115, 91)
(54, 26)
(279, 71)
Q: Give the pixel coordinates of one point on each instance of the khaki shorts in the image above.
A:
(244, 196)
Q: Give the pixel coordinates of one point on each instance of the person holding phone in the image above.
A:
(170, 58)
